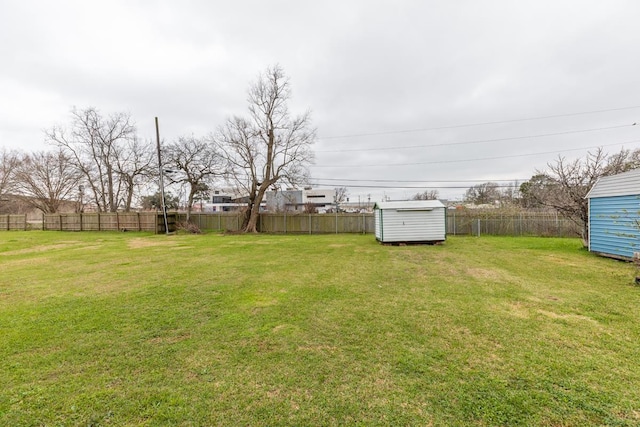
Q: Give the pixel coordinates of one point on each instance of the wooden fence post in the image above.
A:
(43, 226)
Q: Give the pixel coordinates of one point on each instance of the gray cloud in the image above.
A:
(361, 67)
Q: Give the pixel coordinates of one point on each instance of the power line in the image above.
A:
(424, 180)
(478, 141)
(422, 187)
(478, 158)
(357, 135)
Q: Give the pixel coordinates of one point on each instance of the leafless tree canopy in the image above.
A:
(565, 184)
(426, 195)
(135, 167)
(46, 179)
(269, 148)
(9, 160)
(193, 162)
(485, 193)
(94, 142)
(341, 194)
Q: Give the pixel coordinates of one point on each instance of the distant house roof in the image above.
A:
(622, 184)
(410, 205)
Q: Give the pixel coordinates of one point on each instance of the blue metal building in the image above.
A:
(614, 215)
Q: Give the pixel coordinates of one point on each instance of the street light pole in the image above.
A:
(164, 203)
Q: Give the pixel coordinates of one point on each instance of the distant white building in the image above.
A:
(294, 200)
(223, 200)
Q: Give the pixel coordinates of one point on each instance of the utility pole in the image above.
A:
(160, 169)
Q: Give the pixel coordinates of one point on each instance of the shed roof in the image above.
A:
(622, 184)
(410, 204)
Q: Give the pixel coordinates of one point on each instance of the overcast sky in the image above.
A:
(409, 93)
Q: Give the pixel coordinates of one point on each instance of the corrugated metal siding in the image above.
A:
(614, 226)
(410, 226)
(622, 184)
(378, 223)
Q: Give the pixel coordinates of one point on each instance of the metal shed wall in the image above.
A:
(622, 184)
(614, 227)
(377, 221)
(395, 224)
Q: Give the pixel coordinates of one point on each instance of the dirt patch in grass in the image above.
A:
(169, 339)
(89, 248)
(569, 317)
(519, 310)
(561, 261)
(43, 248)
(484, 273)
(140, 243)
(22, 262)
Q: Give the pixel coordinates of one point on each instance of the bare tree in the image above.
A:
(268, 148)
(94, 142)
(565, 184)
(47, 179)
(194, 162)
(426, 195)
(510, 194)
(154, 201)
(623, 161)
(485, 193)
(310, 208)
(134, 162)
(9, 160)
(341, 194)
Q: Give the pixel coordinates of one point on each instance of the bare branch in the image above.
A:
(268, 148)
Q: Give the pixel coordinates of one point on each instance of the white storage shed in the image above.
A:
(412, 221)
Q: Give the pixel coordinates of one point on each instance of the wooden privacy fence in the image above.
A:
(317, 223)
(465, 222)
(107, 221)
(13, 222)
(284, 223)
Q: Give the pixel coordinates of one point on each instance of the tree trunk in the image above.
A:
(253, 214)
(247, 217)
(110, 190)
(189, 204)
(252, 225)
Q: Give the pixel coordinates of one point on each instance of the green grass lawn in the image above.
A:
(197, 330)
